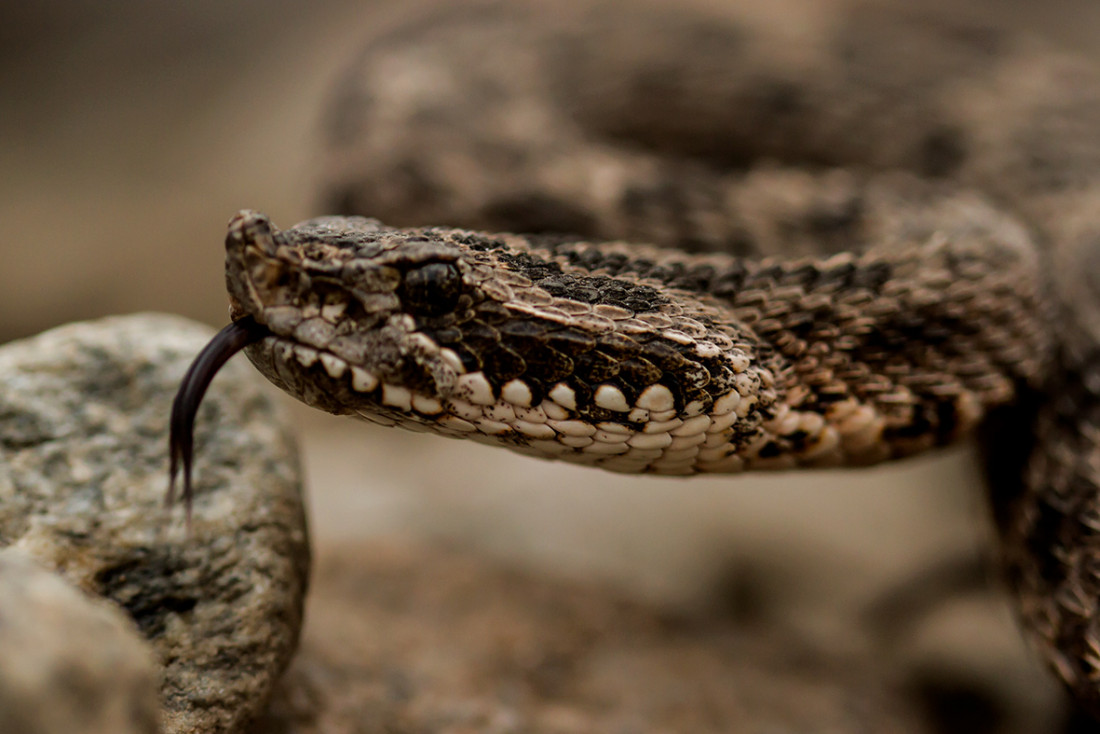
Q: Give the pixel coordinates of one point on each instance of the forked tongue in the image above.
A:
(181, 435)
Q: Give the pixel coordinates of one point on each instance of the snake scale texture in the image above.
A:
(832, 236)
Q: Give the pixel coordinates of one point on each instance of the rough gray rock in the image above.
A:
(83, 470)
(71, 663)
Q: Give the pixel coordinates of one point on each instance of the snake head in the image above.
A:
(329, 311)
(501, 338)
(344, 301)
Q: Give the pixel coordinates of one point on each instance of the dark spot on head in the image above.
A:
(532, 267)
(571, 287)
(431, 289)
(477, 242)
(592, 289)
(602, 290)
(591, 258)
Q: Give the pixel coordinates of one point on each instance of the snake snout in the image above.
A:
(254, 273)
(250, 227)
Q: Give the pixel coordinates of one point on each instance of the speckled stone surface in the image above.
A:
(71, 663)
(83, 473)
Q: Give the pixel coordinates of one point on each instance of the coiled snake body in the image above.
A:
(884, 230)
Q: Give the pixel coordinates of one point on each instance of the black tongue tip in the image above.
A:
(181, 436)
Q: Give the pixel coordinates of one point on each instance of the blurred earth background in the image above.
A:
(131, 131)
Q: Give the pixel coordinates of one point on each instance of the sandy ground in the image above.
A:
(131, 131)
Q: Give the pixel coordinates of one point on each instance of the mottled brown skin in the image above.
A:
(764, 139)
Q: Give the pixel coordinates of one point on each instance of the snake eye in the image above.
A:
(432, 289)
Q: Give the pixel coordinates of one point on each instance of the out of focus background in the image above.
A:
(130, 131)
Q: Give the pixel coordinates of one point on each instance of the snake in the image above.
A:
(671, 240)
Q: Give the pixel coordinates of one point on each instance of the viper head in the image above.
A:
(537, 345)
(348, 304)
(366, 319)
